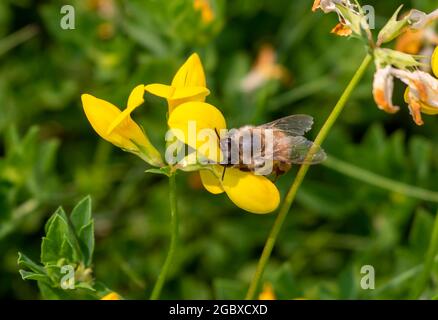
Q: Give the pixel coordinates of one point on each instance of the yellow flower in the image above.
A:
(186, 96)
(118, 127)
(207, 13)
(267, 293)
(253, 193)
(111, 296)
(188, 84)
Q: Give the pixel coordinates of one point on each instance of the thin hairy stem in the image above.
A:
(173, 240)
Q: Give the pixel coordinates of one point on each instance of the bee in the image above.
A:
(270, 148)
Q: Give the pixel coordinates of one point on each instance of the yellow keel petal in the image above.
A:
(256, 194)
(211, 183)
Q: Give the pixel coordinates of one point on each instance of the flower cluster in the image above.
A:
(185, 97)
(352, 20)
(421, 93)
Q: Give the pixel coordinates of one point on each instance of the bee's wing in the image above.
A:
(294, 125)
(297, 148)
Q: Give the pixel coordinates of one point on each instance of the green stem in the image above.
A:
(379, 181)
(430, 257)
(290, 197)
(173, 240)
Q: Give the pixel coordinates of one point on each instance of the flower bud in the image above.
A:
(393, 28)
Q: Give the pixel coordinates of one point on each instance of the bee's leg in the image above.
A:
(217, 133)
(223, 173)
(277, 173)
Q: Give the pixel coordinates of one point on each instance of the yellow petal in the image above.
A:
(188, 122)
(178, 95)
(211, 182)
(267, 293)
(127, 135)
(204, 114)
(435, 62)
(406, 95)
(160, 90)
(135, 99)
(111, 296)
(191, 73)
(188, 92)
(183, 95)
(425, 108)
(256, 194)
(101, 114)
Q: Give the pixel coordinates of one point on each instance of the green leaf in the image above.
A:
(84, 228)
(59, 212)
(49, 251)
(57, 240)
(67, 250)
(81, 214)
(86, 237)
(27, 275)
(24, 261)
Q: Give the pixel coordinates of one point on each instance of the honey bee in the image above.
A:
(270, 148)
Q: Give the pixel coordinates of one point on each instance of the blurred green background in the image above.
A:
(50, 156)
